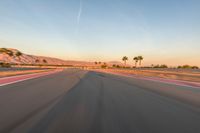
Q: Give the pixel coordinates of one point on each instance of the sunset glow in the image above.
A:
(164, 32)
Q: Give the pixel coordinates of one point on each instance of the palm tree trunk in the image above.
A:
(140, 62)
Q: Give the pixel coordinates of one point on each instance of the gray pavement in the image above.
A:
(77, 101)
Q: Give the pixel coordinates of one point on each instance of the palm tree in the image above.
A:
(125, 58)
(140, 58)
(136, 59)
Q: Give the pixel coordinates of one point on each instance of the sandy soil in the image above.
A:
(21, 72)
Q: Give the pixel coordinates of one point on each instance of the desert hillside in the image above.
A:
(14, 56)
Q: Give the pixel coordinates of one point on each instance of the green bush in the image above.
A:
(114, 65)
(195, 67)
(18, 53)
(187, 67)
(160, 66)
(163, 66)
(44, 61)
(7, 51)
(7, 65)
(104, 66)
(37, 60)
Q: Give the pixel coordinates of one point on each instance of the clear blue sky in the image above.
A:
(163, 31)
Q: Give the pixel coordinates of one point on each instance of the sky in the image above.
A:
(162, 31)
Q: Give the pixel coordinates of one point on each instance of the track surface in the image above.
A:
(77, 101)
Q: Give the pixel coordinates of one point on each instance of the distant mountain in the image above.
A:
(14, 56)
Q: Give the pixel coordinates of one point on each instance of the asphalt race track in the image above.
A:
(81, 101)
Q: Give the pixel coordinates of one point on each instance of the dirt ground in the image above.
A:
(8, 73)
(185, 75)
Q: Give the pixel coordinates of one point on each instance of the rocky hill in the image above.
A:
(14, 56)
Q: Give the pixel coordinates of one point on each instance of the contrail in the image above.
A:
(79, 13)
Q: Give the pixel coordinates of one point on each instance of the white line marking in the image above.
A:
(27, 78)
(19, 81)
(23, 75)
